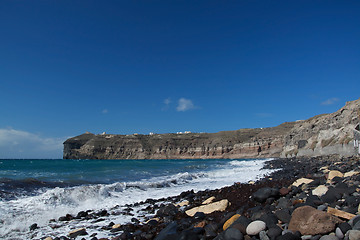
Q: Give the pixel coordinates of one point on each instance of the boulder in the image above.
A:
(320, 190)
(77, 232)
(310, 221)
(255, 227)
(212, 207)
(230, 221)
(301, 181)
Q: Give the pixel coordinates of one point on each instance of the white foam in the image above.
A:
(17, 215)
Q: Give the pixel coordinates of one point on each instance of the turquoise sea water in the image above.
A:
(39, 190)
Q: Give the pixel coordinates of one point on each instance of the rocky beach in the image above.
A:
(306, 198)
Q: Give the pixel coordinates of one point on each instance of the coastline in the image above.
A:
(272, 200)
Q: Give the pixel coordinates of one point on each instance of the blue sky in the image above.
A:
(67, 67)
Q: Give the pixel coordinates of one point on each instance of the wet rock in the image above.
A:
(233, 234)
(77, 232)
(263, 194)
(33, 227)
(102, 213)
(212, 207)
(169, 232)
(168, 210)
(255, 227)
(310, 221)
(81, 214)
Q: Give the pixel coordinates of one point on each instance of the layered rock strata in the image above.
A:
(321, 135)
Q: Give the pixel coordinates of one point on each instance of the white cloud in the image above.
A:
(184, 105)
(21, 144)
(330, 101)
(167, 101)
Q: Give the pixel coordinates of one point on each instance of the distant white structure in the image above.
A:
(186, 132)
(151, 133)
(104, 133)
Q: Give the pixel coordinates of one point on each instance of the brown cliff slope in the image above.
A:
(321, 135)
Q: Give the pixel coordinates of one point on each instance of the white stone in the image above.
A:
(255, 227)
(320, 190)
(209, 200)
(334, 173)
(351, 173)
(301, 181)
(209, 208)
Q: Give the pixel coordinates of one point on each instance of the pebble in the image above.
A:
(255, 227)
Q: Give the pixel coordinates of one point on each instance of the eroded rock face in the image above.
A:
(321, 135)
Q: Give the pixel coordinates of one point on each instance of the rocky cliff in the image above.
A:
(321, 135)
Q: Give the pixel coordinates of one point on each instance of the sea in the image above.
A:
(39, 190)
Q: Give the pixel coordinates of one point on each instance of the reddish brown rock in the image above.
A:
(284, 191)
(310, 221)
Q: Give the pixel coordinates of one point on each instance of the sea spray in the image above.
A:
(45, 203)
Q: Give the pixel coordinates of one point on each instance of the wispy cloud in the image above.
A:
(21, 144)
(330, 101)
(105, 111)
(167, 103)
(184, 105)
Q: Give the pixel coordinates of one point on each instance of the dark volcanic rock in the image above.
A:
(263, 194)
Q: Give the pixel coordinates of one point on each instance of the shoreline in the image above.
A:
(252, 201)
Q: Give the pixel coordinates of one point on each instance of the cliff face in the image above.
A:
(320, 135)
